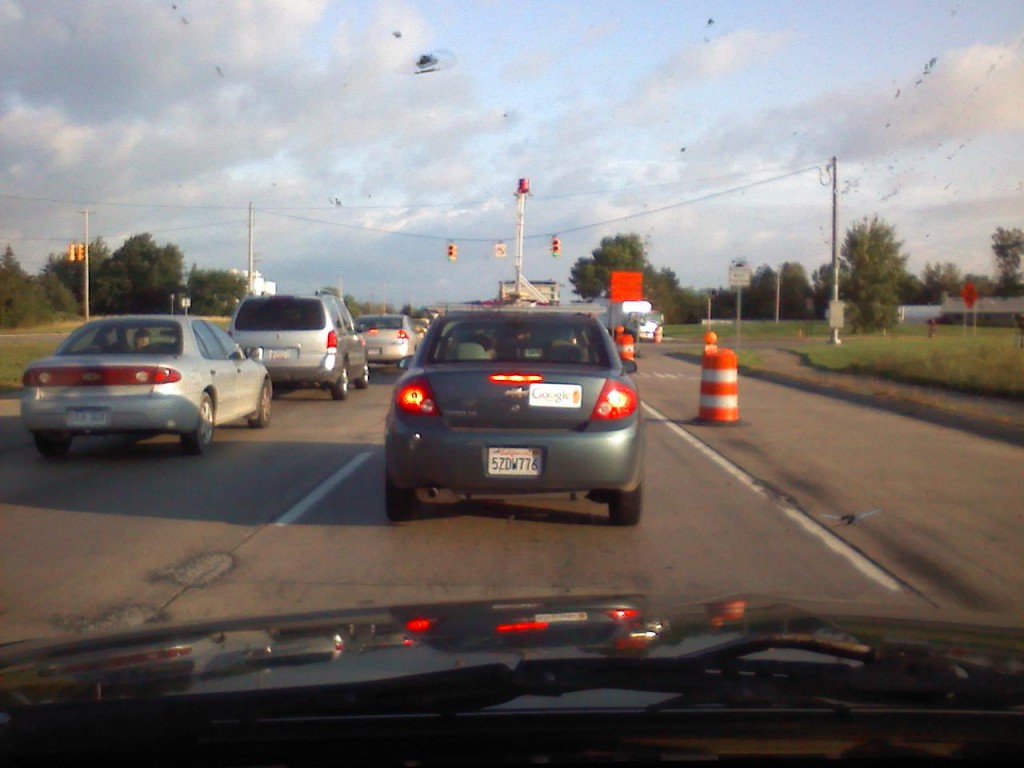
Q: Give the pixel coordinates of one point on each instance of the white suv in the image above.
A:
(304, 341)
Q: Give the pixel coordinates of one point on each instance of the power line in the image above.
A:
(281, 212)
(560, 230)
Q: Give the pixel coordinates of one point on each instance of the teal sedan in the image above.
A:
(508, 403)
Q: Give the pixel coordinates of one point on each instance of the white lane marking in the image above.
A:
(322, 490)
(834, 543)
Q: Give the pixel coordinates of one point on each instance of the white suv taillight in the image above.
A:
(332, 341)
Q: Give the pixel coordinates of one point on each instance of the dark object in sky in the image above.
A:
(434, 62)
(710, 22)
(397, 33)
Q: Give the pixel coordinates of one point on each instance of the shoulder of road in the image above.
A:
(992, 417)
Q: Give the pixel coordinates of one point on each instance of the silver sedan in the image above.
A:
(144, 375)
(388, 338)
(501, 403)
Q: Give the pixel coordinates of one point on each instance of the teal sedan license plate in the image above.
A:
(514, 462)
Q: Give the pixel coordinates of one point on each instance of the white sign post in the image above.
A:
(739, 278)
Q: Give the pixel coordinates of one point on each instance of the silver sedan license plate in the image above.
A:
(88, 417)
(513, 462)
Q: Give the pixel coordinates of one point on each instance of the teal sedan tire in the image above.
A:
(624, 507)
(401, 503)
(52, 447)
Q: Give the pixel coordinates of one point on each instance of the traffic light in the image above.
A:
(72, 251)
(556, 246)
(80, 251)
(453, 251)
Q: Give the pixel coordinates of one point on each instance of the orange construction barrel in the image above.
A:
(627, 349)
(719, 387)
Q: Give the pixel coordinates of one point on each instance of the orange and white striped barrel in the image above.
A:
(719, 387)
(626, 345)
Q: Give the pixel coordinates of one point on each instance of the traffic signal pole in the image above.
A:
(85, 271)
(835, 252)
(524, 188)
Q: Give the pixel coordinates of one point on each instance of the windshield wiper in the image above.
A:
(847, 674)
(746, 673)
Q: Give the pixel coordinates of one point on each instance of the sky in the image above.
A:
(706, 128)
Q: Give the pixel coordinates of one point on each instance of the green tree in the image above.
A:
(215, 292)
(140, 277)
(1008, 247)
(590, 276)
(821, 285)
(795, 291)
(57, 295)
(22, 301)
(358, 308)
(938, 279)
(661, 288)
(70, 273)
(759, 296)
(876, 273)
(983, 284)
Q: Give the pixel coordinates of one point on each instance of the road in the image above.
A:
(291, 518)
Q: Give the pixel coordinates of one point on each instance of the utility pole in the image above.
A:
(834, 305)
(778, 292)
(85, 271)
(251, 263)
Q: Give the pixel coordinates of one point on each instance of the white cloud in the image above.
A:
(292, 104)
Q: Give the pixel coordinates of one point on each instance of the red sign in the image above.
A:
(969, 294)
(626, 286)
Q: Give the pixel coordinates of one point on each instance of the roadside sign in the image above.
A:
(969, 294)
(739, 275)
(626, 286)
(500, 251)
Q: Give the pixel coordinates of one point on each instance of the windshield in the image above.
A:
(385, 323)
(123, 337)
(281, 314)
(719, 300)
(519, 340)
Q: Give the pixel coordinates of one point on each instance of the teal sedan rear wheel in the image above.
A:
(624, 507)
(401, 503)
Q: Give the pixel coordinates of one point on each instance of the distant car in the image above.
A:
(305, 341)
(649, 327)
(420, 325)
(503, 403)
(389, 338)
(145, 374)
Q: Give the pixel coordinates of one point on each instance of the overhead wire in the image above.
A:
(282, 212)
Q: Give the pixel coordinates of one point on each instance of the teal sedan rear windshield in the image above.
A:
(517, 339)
